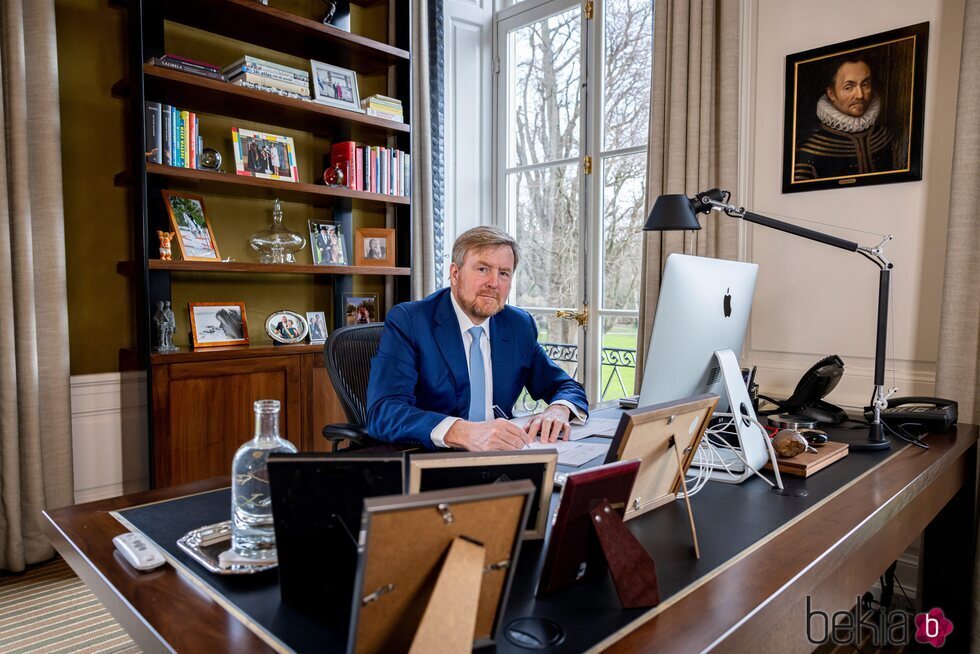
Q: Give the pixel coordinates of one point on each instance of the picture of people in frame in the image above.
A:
(329, 247)
(361, 309)
(265, 157)
(191, 224)
(286, 327)
(318, 326)
(217, 324)
(375, 248)
(335, 86)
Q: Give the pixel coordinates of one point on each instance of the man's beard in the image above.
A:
(477, 308)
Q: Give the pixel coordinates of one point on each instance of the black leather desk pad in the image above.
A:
(729, 519)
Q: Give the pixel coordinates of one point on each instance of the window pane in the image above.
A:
(623, 180)
(545, 78)
(563, 352)
(618, 357)
(628, 35)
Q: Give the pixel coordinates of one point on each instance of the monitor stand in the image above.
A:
(753, 447)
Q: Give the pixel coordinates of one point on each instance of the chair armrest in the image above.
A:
(356, 434)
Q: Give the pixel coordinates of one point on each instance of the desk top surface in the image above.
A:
(753, 543)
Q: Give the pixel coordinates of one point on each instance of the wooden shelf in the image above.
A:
(128, 267)
(207, 181)
(192, 92)
(249, 21)
(187, 355)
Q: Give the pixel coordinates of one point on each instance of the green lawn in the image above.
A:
(616, 338)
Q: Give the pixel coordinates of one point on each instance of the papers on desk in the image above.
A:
(604, 427)
(571, 453)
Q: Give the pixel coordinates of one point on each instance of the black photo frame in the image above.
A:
(826, 147)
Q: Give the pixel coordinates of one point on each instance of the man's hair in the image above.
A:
(850, 58)
(482, 237)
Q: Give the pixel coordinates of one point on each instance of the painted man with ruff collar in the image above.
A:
(850, 140)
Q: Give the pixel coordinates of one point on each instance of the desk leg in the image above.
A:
(947, 559)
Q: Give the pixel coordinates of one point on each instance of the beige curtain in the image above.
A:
(35, 415)
(423, 242)
(693, 143)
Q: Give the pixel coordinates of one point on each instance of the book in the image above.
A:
(271, 73)
(165, 117)
(261, 80)
(255, 62)
(383, 109)
(382, 99)
(386, 116)
(344, 154)
(153, 135)
(184, 133)
(187, 68)
(804, 465)
(191, 62)
(359, 169)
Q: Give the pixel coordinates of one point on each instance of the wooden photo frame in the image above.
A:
(854, 111)
(655, 435)
(267, 156)
(404, 545)
(216, 324)
(374, 247)
(361, 308)
(430, 472)
(190, 222)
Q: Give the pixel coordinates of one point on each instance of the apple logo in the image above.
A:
(728, 303)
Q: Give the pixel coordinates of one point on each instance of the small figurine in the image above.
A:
(331, 10)
(211, 160)
(165, 238)
(334, 176)
(166, 324)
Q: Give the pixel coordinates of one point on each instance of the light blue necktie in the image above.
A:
(478, 378)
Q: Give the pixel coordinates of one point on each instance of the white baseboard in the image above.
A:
(109, 441)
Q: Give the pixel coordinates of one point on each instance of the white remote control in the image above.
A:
(138, 552)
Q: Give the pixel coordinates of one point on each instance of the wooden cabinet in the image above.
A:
(200, 401)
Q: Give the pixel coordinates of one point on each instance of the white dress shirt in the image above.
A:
(438, 434)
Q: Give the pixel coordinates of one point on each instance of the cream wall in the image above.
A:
(812, 300)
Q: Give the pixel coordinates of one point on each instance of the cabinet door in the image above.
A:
(203, 412)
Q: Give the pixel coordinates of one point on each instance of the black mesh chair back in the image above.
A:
(347, 355)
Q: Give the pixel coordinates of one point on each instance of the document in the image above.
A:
(571, 453)
(604, 427)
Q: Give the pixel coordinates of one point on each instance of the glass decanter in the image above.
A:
(278, 243)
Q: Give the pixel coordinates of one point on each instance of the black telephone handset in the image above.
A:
(816, 383)
(933, 414)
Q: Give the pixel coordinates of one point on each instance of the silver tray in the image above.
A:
(205, 544)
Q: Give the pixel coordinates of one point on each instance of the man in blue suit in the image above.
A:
(446, 362)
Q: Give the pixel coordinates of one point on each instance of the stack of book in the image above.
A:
(372, 168)
(186, 65)
(381, 106)
(172, 136)
(254, 73)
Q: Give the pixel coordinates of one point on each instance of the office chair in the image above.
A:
(347, 355)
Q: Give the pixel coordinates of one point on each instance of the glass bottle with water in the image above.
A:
(252, 534)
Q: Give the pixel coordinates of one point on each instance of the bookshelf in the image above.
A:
(199, 401)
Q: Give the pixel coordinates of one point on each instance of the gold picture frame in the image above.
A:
(193, 228)
(212, 320)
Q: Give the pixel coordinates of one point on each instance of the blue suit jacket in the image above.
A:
(419, 375)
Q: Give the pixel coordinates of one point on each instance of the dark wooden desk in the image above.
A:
(831, 553)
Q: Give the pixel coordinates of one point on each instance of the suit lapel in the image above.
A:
(502, 358)
(450, 343)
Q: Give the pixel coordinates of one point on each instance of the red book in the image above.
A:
(192, 140)
(344, 153)
(359, 170)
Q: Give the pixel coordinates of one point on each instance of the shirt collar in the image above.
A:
(464, 321)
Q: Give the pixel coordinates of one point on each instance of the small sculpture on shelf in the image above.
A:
(165, 324)
(334, 176)
(277, 243)
(211, 160)
(165, 239)
(331, 10)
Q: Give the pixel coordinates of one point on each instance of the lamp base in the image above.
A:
(865, 441)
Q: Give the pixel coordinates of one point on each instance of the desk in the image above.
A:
(755, 599)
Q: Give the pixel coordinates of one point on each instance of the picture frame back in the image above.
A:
(645, 434)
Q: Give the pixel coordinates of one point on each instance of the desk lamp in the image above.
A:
(679, 212)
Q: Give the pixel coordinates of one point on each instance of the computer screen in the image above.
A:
(704, 306)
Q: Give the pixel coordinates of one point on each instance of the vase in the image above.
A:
(277, 243)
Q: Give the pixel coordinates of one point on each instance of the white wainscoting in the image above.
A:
(109, 436)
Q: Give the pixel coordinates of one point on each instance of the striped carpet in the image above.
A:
(48, 609)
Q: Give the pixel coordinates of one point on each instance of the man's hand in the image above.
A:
(486, 436)
(550, 423)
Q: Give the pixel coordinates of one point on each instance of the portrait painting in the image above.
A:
(189, 220)
(360, 308)
(286, 327)
(218, 323)
(374, 247)
(335, 86)
(328, 245)
(268, 156)
(854, 112)
(318, 326)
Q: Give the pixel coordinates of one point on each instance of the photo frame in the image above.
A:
(262, 155)
(492, 516)
(572, 552)
(854, 111)
(361, 308)
(335, 86)
(651, 435)
(327, 243)
(374, 247)
(190, 222)
(318, 327)
(286, 327)
(430, 472)
(216, 324)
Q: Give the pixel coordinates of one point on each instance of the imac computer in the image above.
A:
(704, 308)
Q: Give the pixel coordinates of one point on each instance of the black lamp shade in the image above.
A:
(672, 212)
